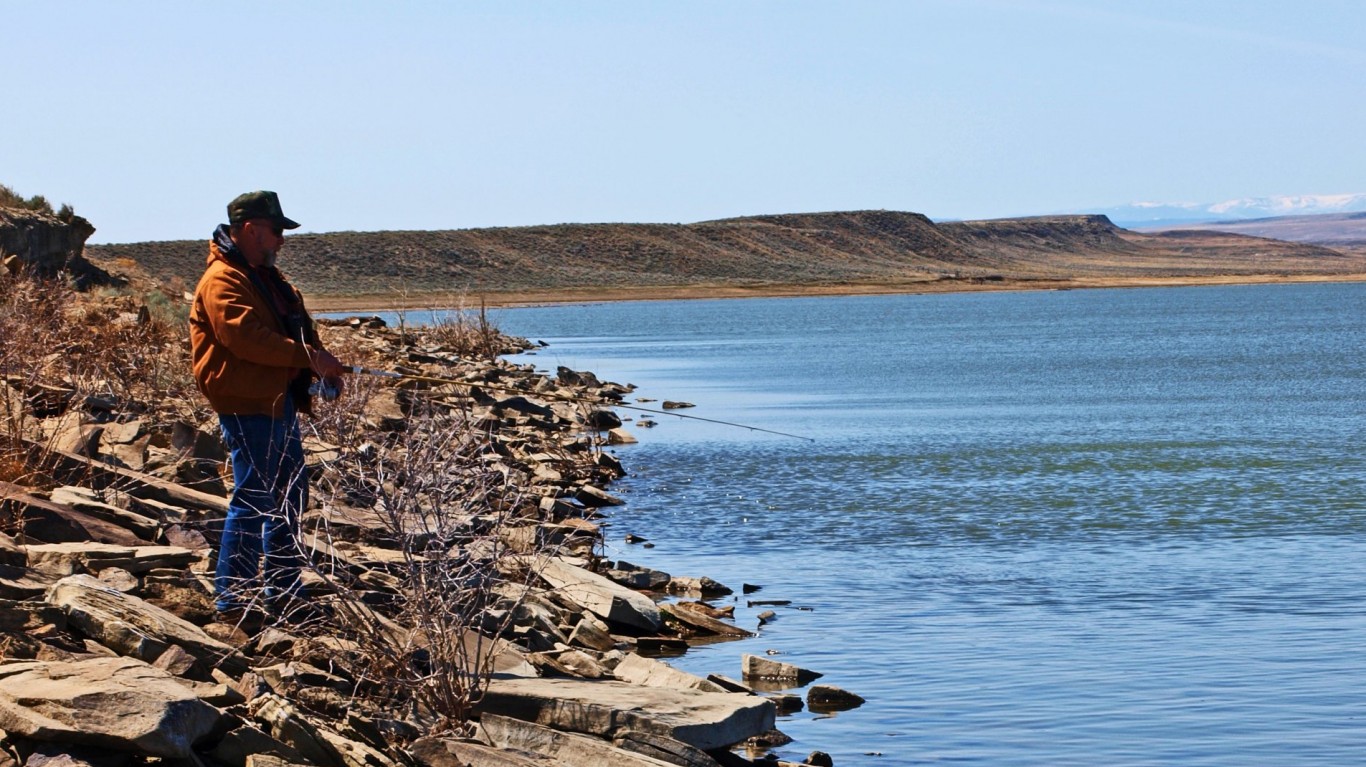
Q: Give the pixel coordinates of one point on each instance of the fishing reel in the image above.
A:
(325, 389)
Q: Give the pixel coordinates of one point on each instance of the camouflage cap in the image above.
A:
(261, 204)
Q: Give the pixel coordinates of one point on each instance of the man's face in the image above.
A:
(261, 241)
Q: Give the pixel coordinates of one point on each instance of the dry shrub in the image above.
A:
(60, 349)
(428, 643)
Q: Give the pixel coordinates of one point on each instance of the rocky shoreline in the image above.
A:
(460, 609)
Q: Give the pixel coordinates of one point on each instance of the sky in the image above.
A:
(148, 117)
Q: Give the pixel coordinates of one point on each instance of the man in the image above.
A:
(255, 352)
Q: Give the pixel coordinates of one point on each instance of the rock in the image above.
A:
(599, 596)
(652, 579)
(383, 411)
(48, 245)
(621, 437)
(611, 463)
(729, 685)
(674, 405)
(787, 703)
(591, 633)
(819, 759)
(450, 752)
(649, 672)
(68, 755)
(703, 623)
(566, 748)
(766, 740)
(87, 501)
(133, 627)
(162, 512)
(70, 558)
(239, 744)
(704, 720)
(603, 420)
(117, 703)
(704, 586)
(190, 441)
(594, 497)
(45, 521)
(119, 579)
(827, 697)
(286, 724)
(568, 377)
(79, 439)
(754, 667)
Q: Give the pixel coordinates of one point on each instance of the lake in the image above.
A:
(1119, 527)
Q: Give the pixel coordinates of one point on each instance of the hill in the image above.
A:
(1337, 230)
(858, 250)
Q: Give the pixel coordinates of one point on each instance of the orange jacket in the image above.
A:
(243, 361)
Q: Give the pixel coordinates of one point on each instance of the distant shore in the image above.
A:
(365, 303)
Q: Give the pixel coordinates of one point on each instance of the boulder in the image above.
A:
(121, 704)
(704, 720)
(600, 596)
(48, 245)
(132, 627)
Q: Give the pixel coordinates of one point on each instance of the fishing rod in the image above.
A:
(438, 380)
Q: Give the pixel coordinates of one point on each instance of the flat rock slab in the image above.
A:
(599, 595)
(68, 558)
(132, 627)
(649, 672)
(116, 703)
(449, 752)
(704, 720)
(565, 747)
(704, 623)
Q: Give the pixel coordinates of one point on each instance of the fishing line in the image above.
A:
(579, 400)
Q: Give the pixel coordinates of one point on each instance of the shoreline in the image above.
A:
(324, 303)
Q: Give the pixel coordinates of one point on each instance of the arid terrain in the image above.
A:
(793, 254)
(1340, 231)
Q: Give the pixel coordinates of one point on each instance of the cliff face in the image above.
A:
(47, 245)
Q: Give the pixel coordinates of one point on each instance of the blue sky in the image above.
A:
(149, 116)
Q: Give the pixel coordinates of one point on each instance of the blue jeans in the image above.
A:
(271, 491)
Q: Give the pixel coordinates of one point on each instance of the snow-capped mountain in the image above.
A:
(1161, 213)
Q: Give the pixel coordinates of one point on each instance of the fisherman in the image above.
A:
(255, 354)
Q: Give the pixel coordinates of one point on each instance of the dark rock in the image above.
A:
(603, 420)
(825, 698)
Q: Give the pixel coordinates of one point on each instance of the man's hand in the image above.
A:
(325, 365)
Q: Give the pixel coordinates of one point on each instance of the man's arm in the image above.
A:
(237, 324)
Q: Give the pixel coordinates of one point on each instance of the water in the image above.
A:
(1119, 527)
